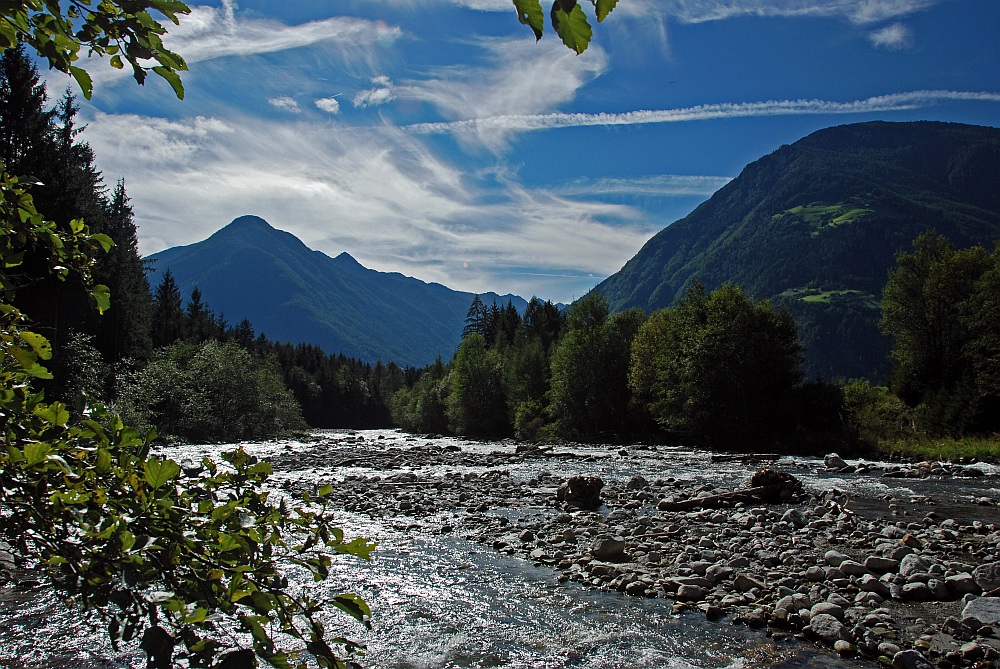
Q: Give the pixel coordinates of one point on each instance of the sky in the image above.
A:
(436, 138)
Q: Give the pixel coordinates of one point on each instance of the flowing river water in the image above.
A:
(440, 601)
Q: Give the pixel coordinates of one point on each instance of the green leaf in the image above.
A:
(106, 242)
(530, 13)
(35, 453)
(172, 78)
(26, 359)
(102, 297)
(325, 490)
(103, 464)
(38, 343)
(54, 413)
(572, 27)
(604, 8)
(160, 472)
(83, 80)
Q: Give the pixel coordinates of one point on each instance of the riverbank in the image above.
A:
(897, 578)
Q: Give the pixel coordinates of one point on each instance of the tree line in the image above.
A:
(722, 369)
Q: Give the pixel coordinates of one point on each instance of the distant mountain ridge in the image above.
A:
(815, 226)
(290, 292)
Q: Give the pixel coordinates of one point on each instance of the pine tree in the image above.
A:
(168, 317)
(124, 331)
(475, 318)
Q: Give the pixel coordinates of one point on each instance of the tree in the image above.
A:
(168, 316)
(111, 526)
(589, 395)
(477, 405)
(475, 318)
(936, 307)
(124, 332)
(718, 367)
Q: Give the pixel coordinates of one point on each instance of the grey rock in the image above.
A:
(816, 574)
(939, 591)
(637, 483)
(843, 647)
(791, 604)
(881, 565)
(912, 564)
(690, 593)
(744, 582)
(834, 461)
(983, 609)
(828, 628)
(794, 517)
(911, 659)
(834, 558)
(827, 608)
(962, 584)
(917, 592)
(609, 549)
(987, 576)
(853, 568)
(869, 583)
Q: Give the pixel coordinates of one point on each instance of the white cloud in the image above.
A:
(376, 192)
(700, 11)
(895, 37)
(329, 105)
(526, 122)
(379, 95)
(285, 103)
(857, 11)
(214, 32)
(659, 185)
(521, 78)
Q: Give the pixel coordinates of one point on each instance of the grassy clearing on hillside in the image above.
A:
(818, 215)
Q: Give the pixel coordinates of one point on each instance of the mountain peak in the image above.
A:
(249, 222)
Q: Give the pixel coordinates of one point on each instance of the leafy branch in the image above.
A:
(567, 17)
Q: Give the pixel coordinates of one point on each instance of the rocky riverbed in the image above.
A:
(863, 569)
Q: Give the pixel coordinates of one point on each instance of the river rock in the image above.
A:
(637, 483)
(912, 564)
(834, 558)
(917, 592)
(834, 461)
(881, 565)
(690, 593)
(962, 584)
(828, 628)
(609, 549)
(791, 604)
(987, 576)
(582, 491)
(852, 568)
(745, 583)
(827, 608)
(911, 659)
(984, 609)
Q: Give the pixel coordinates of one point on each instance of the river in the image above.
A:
(441, 601)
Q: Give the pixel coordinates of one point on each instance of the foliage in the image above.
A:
(589, 395)
(875, 415)
(718, 367)
(211, 392)
(568, 19)
(477, 403)
(423, 407)
(123, 31)
(937, 306)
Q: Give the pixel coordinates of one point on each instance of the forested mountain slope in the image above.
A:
(815, 225)
(289, 292)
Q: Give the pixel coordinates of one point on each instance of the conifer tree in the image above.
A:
(168, 316)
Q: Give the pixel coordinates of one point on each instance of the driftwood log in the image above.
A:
(766, 486)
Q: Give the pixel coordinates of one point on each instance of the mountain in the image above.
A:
(289, 292)
(815, 226)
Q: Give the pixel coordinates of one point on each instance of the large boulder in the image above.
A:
(582, 491)
(984, 609)
(778, 486)
(609, 549)
(987, 576)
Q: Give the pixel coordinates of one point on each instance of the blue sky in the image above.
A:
(436, 138)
